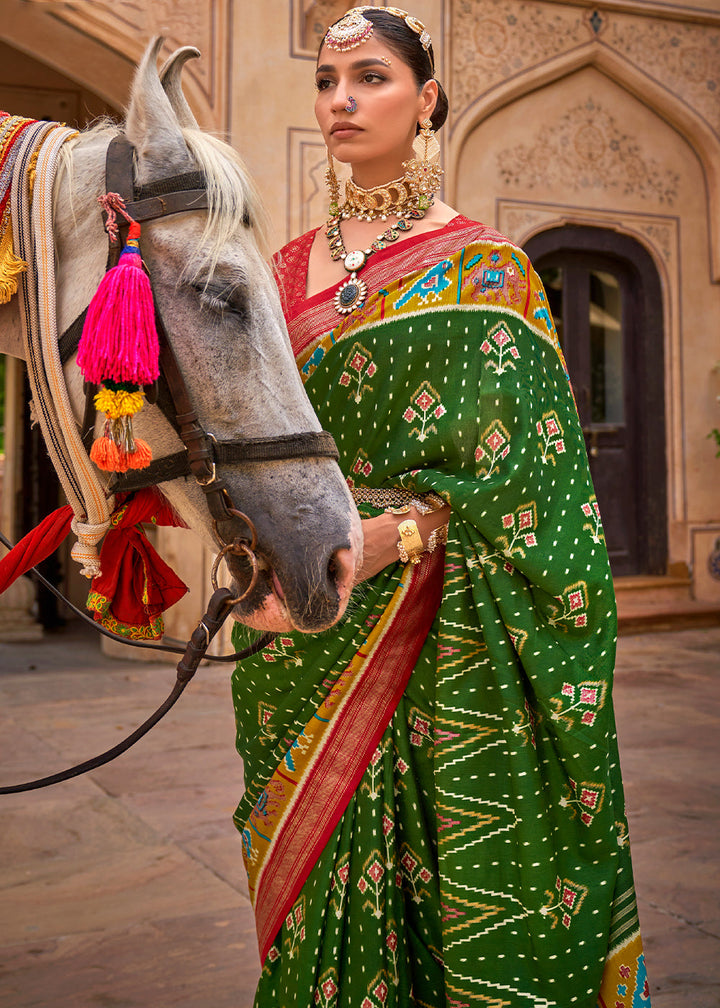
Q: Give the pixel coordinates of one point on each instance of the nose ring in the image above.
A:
(351, 105)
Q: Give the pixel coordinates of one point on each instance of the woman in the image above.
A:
(434, 811)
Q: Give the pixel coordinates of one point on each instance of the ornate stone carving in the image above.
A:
(684, 58)
(125, 25)
(496, 39)
(585, 149)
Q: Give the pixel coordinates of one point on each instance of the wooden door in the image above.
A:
(599, 297)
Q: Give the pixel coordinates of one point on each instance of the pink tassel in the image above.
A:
(119, 339)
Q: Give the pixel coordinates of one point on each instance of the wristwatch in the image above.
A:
(410, 545)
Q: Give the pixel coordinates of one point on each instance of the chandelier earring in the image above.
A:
(423, 172)
(333, 186)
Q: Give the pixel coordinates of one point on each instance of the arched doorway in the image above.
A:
(605, 295)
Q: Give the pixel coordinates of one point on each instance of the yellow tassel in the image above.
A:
(10, 267)
(119, 402)
(32, 170)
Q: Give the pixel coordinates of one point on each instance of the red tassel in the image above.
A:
(119, 339)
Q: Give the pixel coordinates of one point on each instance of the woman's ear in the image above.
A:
(428, 99)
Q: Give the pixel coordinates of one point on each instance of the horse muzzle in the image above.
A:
(304, 587)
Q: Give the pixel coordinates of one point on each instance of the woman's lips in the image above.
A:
(343, 130)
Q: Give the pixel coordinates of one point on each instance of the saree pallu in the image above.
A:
(433, 812)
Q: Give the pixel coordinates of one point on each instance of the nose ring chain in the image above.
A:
(351, 104)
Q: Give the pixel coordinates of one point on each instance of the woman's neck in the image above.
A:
(370, 176)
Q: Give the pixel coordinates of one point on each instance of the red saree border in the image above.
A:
(322, 794)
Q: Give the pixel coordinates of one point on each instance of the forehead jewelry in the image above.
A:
(412, 22)
(350, 31)
(351, 104)
(353, 28)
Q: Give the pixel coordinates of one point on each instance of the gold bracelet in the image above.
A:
(410, 545)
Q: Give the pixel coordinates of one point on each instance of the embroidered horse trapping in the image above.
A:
(11, 130)
(309, 791)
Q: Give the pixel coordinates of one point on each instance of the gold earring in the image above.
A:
(333, 185)
(423, 172)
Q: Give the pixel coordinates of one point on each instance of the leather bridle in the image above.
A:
(203, 455)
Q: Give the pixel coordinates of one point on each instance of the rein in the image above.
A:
(202, 457)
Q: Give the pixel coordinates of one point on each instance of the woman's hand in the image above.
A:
(381, 538)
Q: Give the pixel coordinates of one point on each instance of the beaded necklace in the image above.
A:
(351, 293)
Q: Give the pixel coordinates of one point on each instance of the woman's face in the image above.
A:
(377, 137)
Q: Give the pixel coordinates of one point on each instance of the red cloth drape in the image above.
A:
(35, 546)
(135, 587)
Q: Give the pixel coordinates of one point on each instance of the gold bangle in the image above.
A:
(410, 545)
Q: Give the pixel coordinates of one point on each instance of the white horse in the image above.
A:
(222, 313)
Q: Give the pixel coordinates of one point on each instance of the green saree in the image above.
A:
(433, 812)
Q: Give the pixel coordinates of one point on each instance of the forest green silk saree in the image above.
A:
(434, 811)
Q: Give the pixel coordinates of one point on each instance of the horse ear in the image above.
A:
(170, 79)
(151, 124)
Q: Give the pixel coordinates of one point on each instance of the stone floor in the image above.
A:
(125, 888)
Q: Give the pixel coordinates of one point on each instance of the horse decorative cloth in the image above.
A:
(11, 131)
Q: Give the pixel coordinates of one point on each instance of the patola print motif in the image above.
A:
(449, 380)
(424, 406)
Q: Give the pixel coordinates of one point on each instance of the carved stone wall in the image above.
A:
(126, 26)
(496, 40)
(577, 116)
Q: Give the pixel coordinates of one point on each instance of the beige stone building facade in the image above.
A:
(588, 133)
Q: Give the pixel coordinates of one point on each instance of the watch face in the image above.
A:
(354, 260)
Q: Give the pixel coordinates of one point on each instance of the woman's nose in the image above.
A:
(343, 101)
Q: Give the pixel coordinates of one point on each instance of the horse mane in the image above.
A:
(232, 196)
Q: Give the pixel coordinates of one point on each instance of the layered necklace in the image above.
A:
(351, 293)
(408, 198)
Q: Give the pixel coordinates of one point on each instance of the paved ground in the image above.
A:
(125, 889)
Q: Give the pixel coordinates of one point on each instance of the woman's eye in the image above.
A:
(373, 78)
(322, 84)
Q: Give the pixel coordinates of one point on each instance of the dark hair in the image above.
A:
(406, 43)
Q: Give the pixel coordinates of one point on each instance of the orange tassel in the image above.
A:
(141, 457)
(105, 454)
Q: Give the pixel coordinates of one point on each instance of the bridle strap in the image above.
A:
(172, 195)
(316, 444)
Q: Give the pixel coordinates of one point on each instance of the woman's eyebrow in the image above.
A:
(357, 65)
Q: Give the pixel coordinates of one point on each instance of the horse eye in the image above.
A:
(223, 301)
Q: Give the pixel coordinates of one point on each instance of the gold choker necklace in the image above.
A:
(392, 198)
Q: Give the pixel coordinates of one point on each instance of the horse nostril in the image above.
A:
(341, 569)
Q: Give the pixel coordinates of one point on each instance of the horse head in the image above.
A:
(216, 295)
